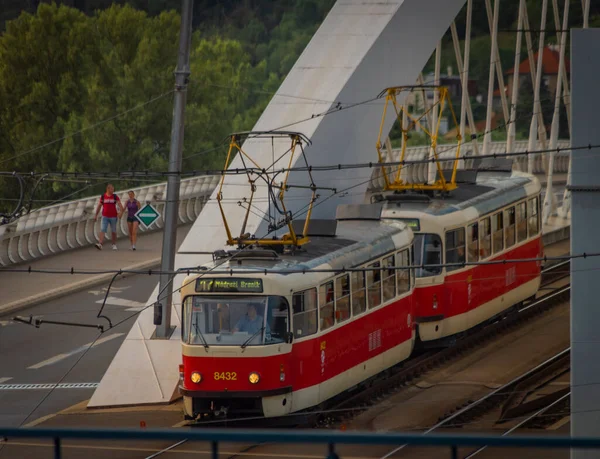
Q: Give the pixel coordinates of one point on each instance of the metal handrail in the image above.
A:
(327, 437)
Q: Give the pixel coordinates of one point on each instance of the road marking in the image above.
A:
(129, 304)
(5, 323)
(112, 289)
(83, 385)
(3, 380)
(59, 357)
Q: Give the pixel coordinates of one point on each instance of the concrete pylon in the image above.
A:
(362, 47)
(585, 218)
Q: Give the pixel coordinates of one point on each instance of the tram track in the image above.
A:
(543, 411)
(372, 392)
(506, 393)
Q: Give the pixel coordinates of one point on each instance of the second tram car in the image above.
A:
(491, 217)
(256, 344)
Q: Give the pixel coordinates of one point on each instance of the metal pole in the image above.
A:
(421, 81)
(497, 62)
(465, 104)
(549, 201)
(404, 174)
(466, 110)
(566, 204)
(585, 272)
(162, 312)
(565, 78)
(512, 129)
(487, 136)
(537, 123)
(431, 169)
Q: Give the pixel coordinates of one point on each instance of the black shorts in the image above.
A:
(132, 220)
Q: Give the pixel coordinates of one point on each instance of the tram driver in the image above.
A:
(252, 322)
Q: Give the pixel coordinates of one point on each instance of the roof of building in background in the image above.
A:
(550, 60)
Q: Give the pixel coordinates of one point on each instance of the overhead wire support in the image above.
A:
(281, 216)
(397, 184)
(229, 271)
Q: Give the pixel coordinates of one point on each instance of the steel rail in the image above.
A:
(502, 389)
(522, 423)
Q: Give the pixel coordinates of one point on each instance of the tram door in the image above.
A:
(430, 296)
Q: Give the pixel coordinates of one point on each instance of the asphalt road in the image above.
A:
(49, 354)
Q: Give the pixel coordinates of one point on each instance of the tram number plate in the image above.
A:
(225, 376)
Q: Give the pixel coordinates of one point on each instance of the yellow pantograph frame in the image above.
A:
(397, 184)
(288, 239)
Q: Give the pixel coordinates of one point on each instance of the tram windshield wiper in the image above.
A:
(252, 337)
(199, 333)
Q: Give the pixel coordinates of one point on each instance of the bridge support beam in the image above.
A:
(585, 214)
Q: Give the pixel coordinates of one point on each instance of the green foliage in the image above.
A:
(62, 72)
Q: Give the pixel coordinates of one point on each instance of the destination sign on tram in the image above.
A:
(412, 223)
(229, 285)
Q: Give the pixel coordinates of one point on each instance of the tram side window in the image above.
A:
(403, 275)
(455, 248)
(342, 298)
(497, 233)
(389, 278)
(509, 226)
(326, 305)
(485, 246)
(305, 312)
(521, 222)
(359, 300)
(374, 285)
(532, 211)
(473, 242)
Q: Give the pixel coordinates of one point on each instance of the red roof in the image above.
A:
(550, 60)
(497, 91)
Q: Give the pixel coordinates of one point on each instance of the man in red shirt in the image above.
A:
(109, 202)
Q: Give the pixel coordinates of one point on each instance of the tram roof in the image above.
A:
(355, 243)
(490, 190)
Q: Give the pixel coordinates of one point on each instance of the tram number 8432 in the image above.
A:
(225, 376)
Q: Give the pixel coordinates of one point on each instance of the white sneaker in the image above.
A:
(114, 247)
(99, 246)
(133, 247)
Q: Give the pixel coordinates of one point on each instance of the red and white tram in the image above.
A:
(284, 342)
(491, 216)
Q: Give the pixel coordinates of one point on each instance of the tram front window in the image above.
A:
(427, 252)
(235, 320)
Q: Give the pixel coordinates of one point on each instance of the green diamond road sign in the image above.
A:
(147, 215)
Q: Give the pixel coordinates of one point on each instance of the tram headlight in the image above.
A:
(196, 377)
(254, 377)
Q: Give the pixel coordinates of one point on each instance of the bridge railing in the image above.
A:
(70, 225)
(313, 437)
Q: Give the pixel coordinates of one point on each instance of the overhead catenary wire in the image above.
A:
(447, 281)
(131, 175)
(266, 271)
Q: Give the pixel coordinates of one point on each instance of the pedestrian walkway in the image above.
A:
(20, 290)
